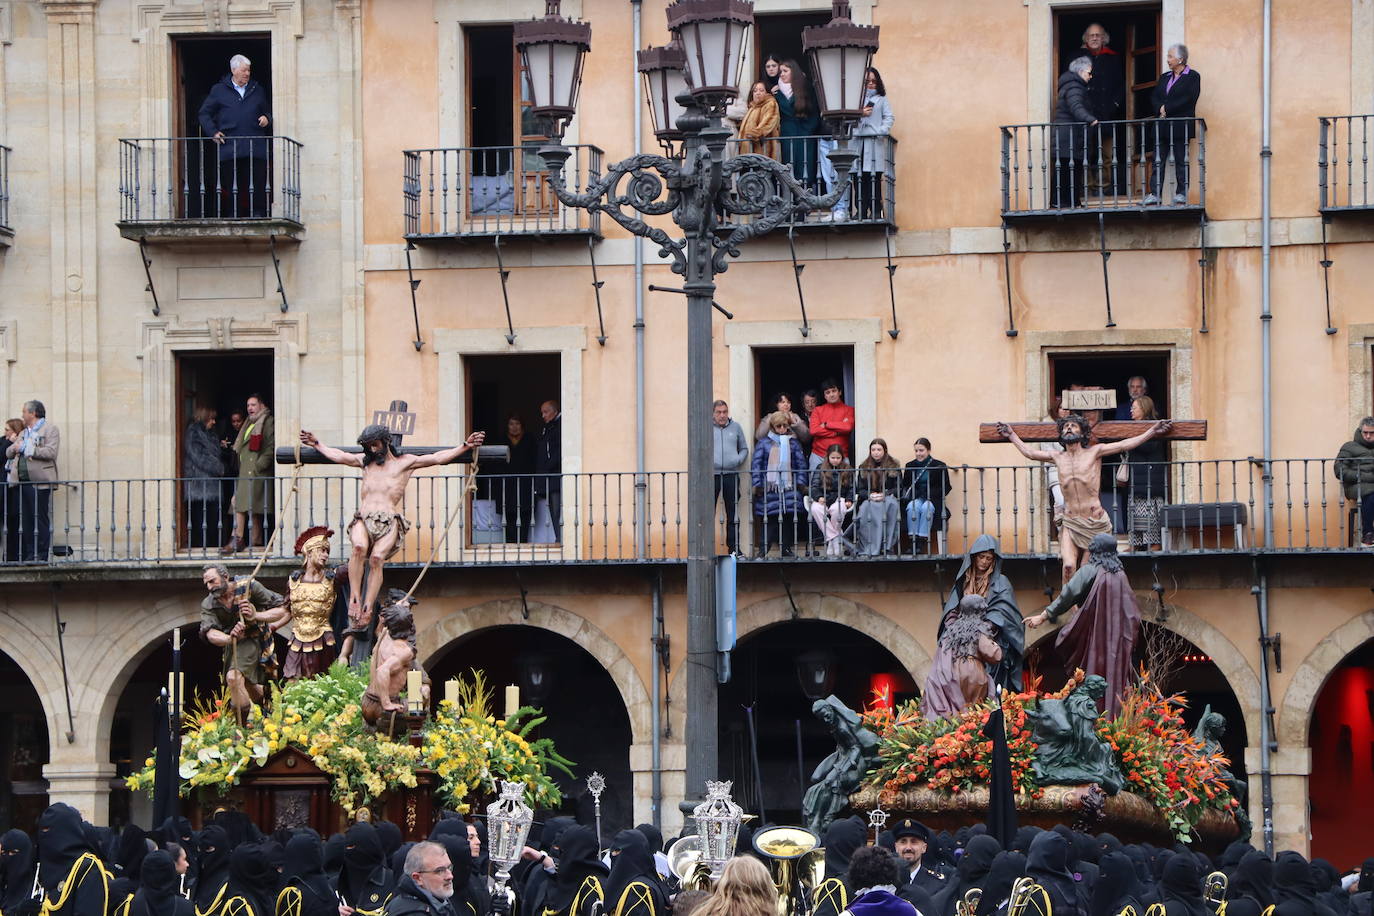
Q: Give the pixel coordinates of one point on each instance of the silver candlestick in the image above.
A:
(877, 819)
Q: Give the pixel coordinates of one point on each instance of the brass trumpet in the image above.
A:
(1214, 891)
(969, 905)
(796, 861)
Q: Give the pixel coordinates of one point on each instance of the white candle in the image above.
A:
(414, 701)
(512, 699)
(175, 696)
(451, 690)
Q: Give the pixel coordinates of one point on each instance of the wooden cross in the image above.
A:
(1105, 431)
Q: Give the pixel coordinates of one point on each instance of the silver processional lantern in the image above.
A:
(508, 825)
(718, 819)
(840, 53)
(712, 34)
(551, 50)
(665, 78)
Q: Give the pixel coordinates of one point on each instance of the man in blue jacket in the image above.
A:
(729, 449)
(235, 114)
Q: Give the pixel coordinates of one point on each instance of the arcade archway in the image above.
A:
(23, 749)
(1341, 738)
(777, 672)
(587, 717)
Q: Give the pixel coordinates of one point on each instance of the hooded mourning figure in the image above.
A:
(1117, 886)
(130, 851)
(334, 856)
(252, 889)
(1021, 842)
(1002, 611)
(1006, 868)
(238, 827)
(17, 866)
(69, 871)
(655, 838)
(578, 887)
(539, 879)
(967, 651)
(842, 839)
(365, 881)
(1048, 865)
(214, 869)
(1180, 887)
(1294, 889)
(158, 886)
(390, 835)
(634, 888)
(1327, 882)
(1361, 896)
(972, 871)
(306, 883)
(1250, 889)
(470, 896)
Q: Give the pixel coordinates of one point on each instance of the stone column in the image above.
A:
(73, 230)
(1289, 769)
(83, 784)
(673, 776)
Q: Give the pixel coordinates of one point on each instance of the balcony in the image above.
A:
(871, 200)
(470, 193)
(1112, 167)
(190, 189)
(6, 230)
(1343, 169)
(1203, 507)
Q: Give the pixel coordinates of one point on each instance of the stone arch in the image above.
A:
(1234, 667)
(1295, 718)
(35, 656)
(819, 606)
(511, 612)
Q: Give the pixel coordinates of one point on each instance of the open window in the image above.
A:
(506, 173)
(212, 387)
(1134, 33)
(199, 62)
(1113, 371)
(796, 370)
(504, 394)
(780, 35)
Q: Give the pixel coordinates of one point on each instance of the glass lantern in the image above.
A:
(712, 34)
(551, 50)
(840, 53)
(508, 825)
(718, 819)
(665, 78)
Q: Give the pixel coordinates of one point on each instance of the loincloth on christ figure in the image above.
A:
(1083, 530)
(378, 525)
(372, 708)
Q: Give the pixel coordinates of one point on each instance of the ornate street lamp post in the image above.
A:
(694, 187)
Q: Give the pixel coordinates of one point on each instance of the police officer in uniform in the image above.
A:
(912, 839)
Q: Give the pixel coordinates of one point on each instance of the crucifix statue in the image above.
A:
(1080, 467)
(379, 525)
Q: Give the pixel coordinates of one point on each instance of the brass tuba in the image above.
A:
(796, 861)
(1029, 899)
(684, 861)
(1214, 891)
(969, 904)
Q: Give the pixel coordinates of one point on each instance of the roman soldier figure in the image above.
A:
(314, 601)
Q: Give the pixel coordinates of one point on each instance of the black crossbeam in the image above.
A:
(287, 454)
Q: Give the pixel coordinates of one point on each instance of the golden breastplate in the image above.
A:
(311, 604)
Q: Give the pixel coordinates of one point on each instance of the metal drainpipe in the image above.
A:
(655, 721)
(641, 479)
(1266, 322)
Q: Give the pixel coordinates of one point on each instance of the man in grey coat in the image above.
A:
(32, 477)
(729, 449)
(1355, 469)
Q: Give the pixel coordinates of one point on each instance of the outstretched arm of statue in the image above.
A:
(1034, 454)
(328, 451)
(1125, 445)
(1075, 591)
(449, 455)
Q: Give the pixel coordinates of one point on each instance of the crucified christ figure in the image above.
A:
(1080, 477)
(379, 525)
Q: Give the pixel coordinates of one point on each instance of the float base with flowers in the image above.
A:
(308, 757)
(938, 771)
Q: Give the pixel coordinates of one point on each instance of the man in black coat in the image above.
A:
(235, 114)
(548, 462)
(1175, 96)
(427, 888)
(1072, 122)
(1107, 101)
(912, 840)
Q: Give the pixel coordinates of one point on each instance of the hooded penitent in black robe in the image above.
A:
(842, 839)
(1117, 886)
(972, 871)
(579, 885)
(252, 889)
(70, 872)
(214, 869)
(130, 851)
(158, 889)
(17, 866)
(307, 886)
(1293, 887)
(1002, 611)
(634, 888)
(1048, 865)
(531, 892)
(366, 881)
(1180, 887)
(1006, 868)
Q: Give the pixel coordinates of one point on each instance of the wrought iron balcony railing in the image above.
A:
(5, 228)
(1110, 166)
(1343, 169)
(470, 192)
(872, 196)
(190, 184)
(1172, 508)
